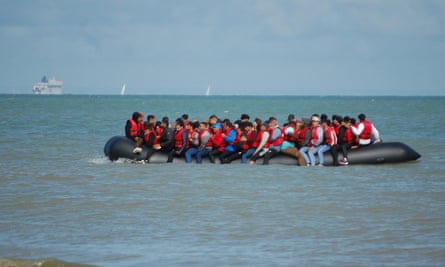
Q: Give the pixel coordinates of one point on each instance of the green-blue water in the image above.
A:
(61, 198)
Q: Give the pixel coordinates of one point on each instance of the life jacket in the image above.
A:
(337, 129)
(348, 137)
(330, 137)
(193, 136)
(366, 133)
(277, 141)
(136, 129)
(178, 139)
(289, 138)
(147, 136)
(251, 141)
(301, 136)
(217, 142)
(158, 133)
(314, 136)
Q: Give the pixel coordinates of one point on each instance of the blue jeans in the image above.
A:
(320, 151)
(190, 153)
(202, 153)
(304, 151)
(247, 155)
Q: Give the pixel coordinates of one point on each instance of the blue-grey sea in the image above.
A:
(61, 199)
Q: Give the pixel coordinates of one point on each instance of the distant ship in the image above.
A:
(48, 87)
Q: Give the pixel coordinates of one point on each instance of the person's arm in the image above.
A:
(375, 135)
(264, 140)
(127, 130)
(231, 137)
(358, 130)
(204, 140)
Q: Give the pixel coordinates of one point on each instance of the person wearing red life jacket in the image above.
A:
(345, 141)
(330, 140)
(262, 140)
(205, 145)
(149, 140)
(241, 144)
(134, 130)
(315, 140)
(194, 139)
(181, 141)
(251, 141)
(216, 141)
(288, 146)
(275, 140)
(365, 131)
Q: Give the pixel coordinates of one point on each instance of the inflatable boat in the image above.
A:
(390, 152)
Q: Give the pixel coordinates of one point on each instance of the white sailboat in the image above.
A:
(208, 91)
(123, 89)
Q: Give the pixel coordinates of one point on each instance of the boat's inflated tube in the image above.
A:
(391, 152)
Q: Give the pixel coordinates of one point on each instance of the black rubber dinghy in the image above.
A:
(390, 152)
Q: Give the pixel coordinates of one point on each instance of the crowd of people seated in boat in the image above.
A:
(224, 140)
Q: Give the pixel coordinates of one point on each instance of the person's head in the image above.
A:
(272, 122)
(315, 120)
(291, 117)
(245, 117)
(227, 124)
(151, 119)
(217, 127)
(203, 125)
(337, 120)
(213, 119)
(138, 116)
(346, 120)
(362, 117)
(323, 117)
(165, 122)
(185, 117)
(179, 124)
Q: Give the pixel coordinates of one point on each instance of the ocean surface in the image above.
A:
(61, 199)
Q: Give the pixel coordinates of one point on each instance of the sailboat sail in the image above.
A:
(208, 91)
(123, 90)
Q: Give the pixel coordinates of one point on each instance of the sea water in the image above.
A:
(61, 198)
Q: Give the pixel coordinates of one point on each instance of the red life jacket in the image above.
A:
(348, 136)
(136, 129)
(314, 136)
(366, 133)
(158, 133)
(147, 136)
(302, 135)
(277, 141)
(250, 140)
(192, 132)
(337, 129)
(330, 137)
(178, 139)
(289, 138)
(217, 141)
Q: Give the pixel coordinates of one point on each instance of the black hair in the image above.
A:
(185, 116)
(245, 117)
(362, 117)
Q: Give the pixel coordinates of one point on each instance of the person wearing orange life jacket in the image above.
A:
(181, 141)
(366, 132)
(134, 130)
(314, 141)
(275, 140)
(329, 141)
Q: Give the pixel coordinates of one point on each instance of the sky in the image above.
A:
(237, 47)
